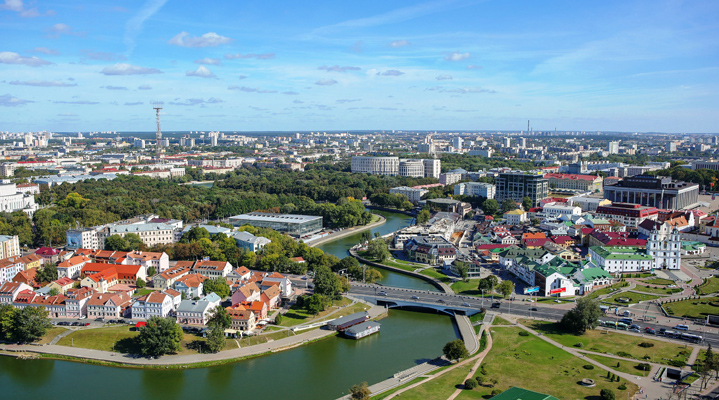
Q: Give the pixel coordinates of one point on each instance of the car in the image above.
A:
(466, 305)
(382, 293)
(634, 330)
(86, 324)
(83, 317)
(682, 327)
(496, 304)
(75, 324)
(635, 326)
(529, 300)
(662, 331)
(415, 297)
(533, 309)
(627, 321)
(441, 301)
(99, 319)
(63, 323)
(649, 330)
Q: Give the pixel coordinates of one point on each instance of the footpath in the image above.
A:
(227, 355)
(346, 232)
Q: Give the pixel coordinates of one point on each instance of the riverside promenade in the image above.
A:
(188, 359)
(349, 231)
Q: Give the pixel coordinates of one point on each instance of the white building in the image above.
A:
(413, 195)
(613, 148)
(376, 165)
(9, 246)
(411, 168)
(621, 259)
(516, 217)
(13, 200)
(666, 252)
(432, 167)
(481, 189)
(457, 143)
(556, 210)
(155, 304)
(449, 178)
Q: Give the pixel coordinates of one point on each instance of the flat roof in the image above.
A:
(270, 217)
(349, 318)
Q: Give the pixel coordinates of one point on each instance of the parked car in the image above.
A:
(441, 301)
(636, 330)
(662, 331)
(635, 326)
(75, 324)
(86, 324)
(533, 309)
(83, 317)
(649, 330)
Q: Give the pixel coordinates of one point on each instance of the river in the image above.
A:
(320, 370)
(394, 222)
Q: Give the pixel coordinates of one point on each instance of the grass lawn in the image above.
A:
(531, 363)
(438, 388)
(656, 290)
(389, 392)
(468, 288)
(476, 317)
(608, 289)
(612, 343)
(297, 316)
(431, 272)
(624, 366)
(632, 296)
(693, 308)
(501, 321)
(709, 286)
(102, 339)
(50, 335)
(144, 291)
(659, 281)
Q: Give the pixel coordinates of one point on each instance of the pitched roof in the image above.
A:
(73, 261)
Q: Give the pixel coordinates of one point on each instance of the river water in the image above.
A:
(320, 370)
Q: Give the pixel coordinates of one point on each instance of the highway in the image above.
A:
(516, 309)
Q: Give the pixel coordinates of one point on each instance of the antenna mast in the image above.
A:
(158, 135)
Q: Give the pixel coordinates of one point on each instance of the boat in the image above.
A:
(362, 330)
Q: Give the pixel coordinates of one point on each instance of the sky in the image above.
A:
(634, 66)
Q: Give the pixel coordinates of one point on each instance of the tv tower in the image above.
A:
(158, 135)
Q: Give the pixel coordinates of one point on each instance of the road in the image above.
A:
(519, 309)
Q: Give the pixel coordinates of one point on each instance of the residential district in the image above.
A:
(560, 215)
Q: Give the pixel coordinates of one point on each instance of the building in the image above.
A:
(295, 225)
(151, 233)
(413, 195)
(9, 246)
(515, 217)
(430, 250)
(376, 165)
(242, 318)
(666, 251)
(82, 238)
(249, 241)
(653, 191)
(449, 178)
(155, 304)
(556, 210)
(191, 285)
(630, 215)
(518, 185)
(197, 312)
(108, 305)
(71, 268)
(212, 269)
(168, 278)
(411, 168)
(589, 204)
(583, 183)
(481, 189)
(457, 143)
(621, 259)
(613, 148)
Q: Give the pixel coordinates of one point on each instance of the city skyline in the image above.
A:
(445, 65)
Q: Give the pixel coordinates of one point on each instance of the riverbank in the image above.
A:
(434, 281)
(175, 361)
(347, 232)
(197, 182)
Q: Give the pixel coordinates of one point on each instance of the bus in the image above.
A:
(691, 338)
(669, 334)
(622, 326)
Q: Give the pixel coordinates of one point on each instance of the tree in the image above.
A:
(221, 317)
(326, 282)
(116, 243)
(488, 284)
(194, 234)
(509, 205)
(133, 242)
(455, 350)
(217, 285)
(585, 315)
(506, 288)
(378, 250)
(53, 292)
(47, 274)
(360, 392)
(151, 271)
(526, 203)
(215, 337)
(423, 216)
(470, 383)
(7, 319)
(606, 394)
(278, 319)
(159, 336)
(140, 283)
(463, 269)
(30, 324)
(315, 304)
(490, 207)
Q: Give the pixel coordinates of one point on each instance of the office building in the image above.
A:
(457, 143)
(411, 168)
(507, 142)
(432, 167)
(671, 147)
(584, 183)
(449, 178)
(481, 189)
(393, 166)
(653, 191)
(630, 215)
(295, 225)
(518, 185)
(413, 195)
(613, 148)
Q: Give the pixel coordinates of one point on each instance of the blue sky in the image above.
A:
(328, 65)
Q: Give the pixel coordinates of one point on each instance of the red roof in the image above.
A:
(571, 176)
(140, 324)
(47, 251)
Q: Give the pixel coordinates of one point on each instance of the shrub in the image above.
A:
(523, 333)
(676, 363)
(606, 394)
(624, 354)
(646, 344)
(470, 384)
(580, 344)
(495, 392)
(588, 366)
(622, 387)
(644, 367)
(480, 380)
(482, 370)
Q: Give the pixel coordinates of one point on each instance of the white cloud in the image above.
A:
(251, 89)
(114, 87)
(134, 24)
(326, 82)
(8, 57)
(144, 87)
(208, 61)
(472, 66)
(201, 72)
(195, 102)
(290, 93)
(337, 68)
(210, 39)
(266, 56)
(43, 83)
(399, 43)
(45, 50)
(134, 103)
(56, 30)
(128, 69)
(7, 100)
(101, 55)
(19, 7)
(463, 90)
(77, 102)
(391, 72)
(444, 77)
(456, 56)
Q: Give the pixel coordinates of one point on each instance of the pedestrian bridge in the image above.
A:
(447, 308)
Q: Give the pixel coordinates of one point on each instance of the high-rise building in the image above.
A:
(523, 143)
(613, 148)
(413, 168)
(671, 147)
(481, 189)
(653, 191)
(432, 167)
(457, 143)
(518, 185)
(426, 148)
(139, 143)
(507, 142)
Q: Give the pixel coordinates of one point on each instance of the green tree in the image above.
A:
(488, 284)
(378, 250)
(151, 271)
(53, 292)
(315, 304)
(506, 288)
(509, 205)
(221, 317)
(606, 394)
(455, 350)
(360, 392)
(215, 337)
(194, 234)
(326, 282)
(30, 324)
(278, 319)
(7, 320)
(140, 283)
(217, 285)
(584, 316)
(133, 242)
(372, 275)
(526, 203)
(159, 336)
(423, 217)
(463, 269)
(46, 274)
(490, 207)
(116, 243)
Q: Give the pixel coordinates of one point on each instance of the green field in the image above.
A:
(659, 281)
(50, 334)
(612, 343)
(693, 308)
(709, 286)
(297, 316)
(431, 272)
(501, 321)
(656, 290)
(624, 366)
(632, 296)
(609, 289)
(103, 339)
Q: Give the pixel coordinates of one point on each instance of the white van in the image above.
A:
(682, 327)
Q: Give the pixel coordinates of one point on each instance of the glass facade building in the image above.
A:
(295, 225)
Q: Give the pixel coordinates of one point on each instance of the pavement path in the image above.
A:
(346, 232)
(60, 336)
(480, 358)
